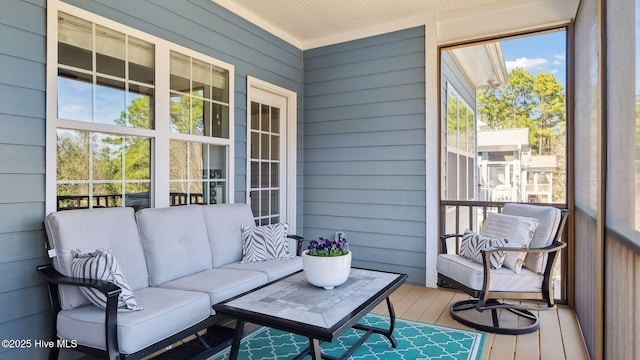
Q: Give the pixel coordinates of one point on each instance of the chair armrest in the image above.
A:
(299, 239)
(443, 241)
(53, 276)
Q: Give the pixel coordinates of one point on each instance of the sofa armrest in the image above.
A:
(300, 240)
(109, 289)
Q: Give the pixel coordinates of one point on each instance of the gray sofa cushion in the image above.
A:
(273, 269)
(113, 229)
(174, 241)
(165, 312)
(220, 284)
(223, 227)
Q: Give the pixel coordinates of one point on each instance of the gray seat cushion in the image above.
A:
(274, 269)
(113, 229)
(166, 312)
(471, 274)
(220, 284)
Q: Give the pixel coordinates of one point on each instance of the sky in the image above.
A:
(538, 53)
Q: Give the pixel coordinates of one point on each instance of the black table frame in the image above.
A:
(316, 334)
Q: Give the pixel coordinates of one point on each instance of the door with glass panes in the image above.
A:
(267, 157)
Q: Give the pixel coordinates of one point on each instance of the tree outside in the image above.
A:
(537, 103)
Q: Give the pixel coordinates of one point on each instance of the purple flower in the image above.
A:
(326, 247)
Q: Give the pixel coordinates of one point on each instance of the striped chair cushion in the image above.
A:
(101, 265)
(264, 243)
(472, 243)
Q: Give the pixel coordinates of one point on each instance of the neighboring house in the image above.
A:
(508, 171)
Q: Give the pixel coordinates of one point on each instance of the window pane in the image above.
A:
(180, 72)
(196, 171)
(180, 114)
(197, 116)
(137, 159)
(197, 158)
(220, 121)
(220, 82)
(275, 175)
(275, 147)
(178, 160)
(255, 116)
(219, 193)
(72, 156)
(255, 174)
(452, 121)
(117, 163)
(141, 61)
(255, 145)
(264, 118)
(75, 42)
(140, 106)
(264, 175)
(75, 95)
(275, 120)
(110, 52)
(264, 147)
(110, 102)
(137, 195)
(201, 84)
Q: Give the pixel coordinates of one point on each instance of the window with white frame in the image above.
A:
(460, 159)
(136, 121)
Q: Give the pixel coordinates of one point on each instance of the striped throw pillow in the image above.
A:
(264, 243)
(102, 265)
(472, 243)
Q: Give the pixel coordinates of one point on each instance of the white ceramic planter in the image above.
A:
(326, 272)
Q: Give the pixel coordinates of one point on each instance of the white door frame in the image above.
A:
(290, 136)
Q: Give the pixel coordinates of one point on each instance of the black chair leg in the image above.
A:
(528, 322)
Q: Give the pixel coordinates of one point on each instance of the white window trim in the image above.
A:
(160, 136)
(291, 142)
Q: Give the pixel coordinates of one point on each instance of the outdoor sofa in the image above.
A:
(177, 263)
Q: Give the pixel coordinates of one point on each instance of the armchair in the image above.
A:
(489, 286)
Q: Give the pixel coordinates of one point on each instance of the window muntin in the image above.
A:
(199, 94)
(102, 170)
(265, 162)
(460, 148)
(102, 74)
(103, 101)
(198, 173)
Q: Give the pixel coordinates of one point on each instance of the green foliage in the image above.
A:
(537, 103)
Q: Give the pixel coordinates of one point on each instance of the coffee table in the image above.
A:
(293, 305)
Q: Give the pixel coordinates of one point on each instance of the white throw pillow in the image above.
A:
(472, 243)
(264, 243)
(101, 265)
(517, 230)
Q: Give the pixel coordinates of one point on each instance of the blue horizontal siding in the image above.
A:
(364, 170)
(200, 25)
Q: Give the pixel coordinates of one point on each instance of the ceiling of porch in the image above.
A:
(314, 23)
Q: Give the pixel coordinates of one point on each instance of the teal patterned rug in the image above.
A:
(416, 340)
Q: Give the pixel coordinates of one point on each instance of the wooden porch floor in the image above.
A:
(558, 338)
